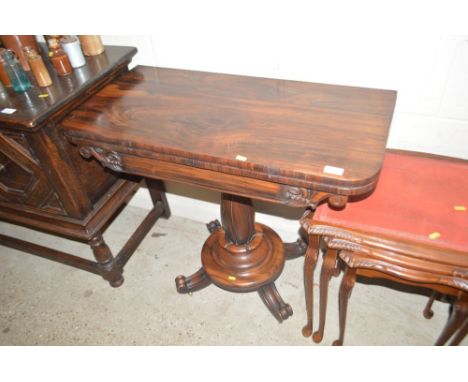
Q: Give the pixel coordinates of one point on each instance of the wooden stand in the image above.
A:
(241, 256)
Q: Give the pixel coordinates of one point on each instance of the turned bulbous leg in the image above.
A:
(107, 266)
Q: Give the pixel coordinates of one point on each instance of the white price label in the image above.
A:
(333, 170)
(7, 110)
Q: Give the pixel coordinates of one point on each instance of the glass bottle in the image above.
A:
(41, 74)
(4, 79)
(48, 37)
(3, 93)
(17, 43)
(18, 77)
(91, 45)
(59, 58)
(71, 46)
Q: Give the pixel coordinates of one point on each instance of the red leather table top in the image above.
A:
(416, 198)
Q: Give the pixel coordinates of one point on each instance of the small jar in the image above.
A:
(59, 58)
(91, 45)
(40, 72)
(19, 79)
(4, 79)
(72, 48)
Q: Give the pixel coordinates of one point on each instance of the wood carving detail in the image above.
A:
(358, 256)
(22, 180)
(345, 245)
(327, 231)
(304, 196)
(109, 159)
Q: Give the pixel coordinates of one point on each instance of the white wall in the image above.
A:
(429, 71)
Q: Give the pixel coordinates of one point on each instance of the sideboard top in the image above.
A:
(37, 104)
(291, 131)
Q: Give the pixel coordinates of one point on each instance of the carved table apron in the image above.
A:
(287, 142)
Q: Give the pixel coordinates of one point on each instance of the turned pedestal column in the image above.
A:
(243, 256)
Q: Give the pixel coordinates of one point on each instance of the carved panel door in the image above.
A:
(22, 180)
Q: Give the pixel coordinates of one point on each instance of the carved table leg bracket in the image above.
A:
(272, 299)
(197, 281)
(294, 250)
(213, 225)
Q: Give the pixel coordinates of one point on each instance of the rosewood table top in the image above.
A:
(321, 137)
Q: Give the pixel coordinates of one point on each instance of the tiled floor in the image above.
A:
(46, 303)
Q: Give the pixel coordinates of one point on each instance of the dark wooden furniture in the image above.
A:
(286, 142)
(46, 185)
(411, 230)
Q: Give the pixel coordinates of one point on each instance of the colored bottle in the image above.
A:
(41, 74)
(4, 79)
(3, 93)
(98, 63)
(18, 77)
(59, 58)
(91, 45)
(48, 37)
(72, 48)
(17, 43)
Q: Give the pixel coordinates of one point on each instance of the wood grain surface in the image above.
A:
(257, 127)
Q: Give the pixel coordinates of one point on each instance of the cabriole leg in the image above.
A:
(455, 321)
(328, 268)
(347, 284)
(310, 262)
(427, 312)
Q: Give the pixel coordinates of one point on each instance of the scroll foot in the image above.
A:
(427, 312)
(213, 225)
(274, 302)
(197, 281)
(294, 250)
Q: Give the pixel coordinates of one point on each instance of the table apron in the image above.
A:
(209, 179)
